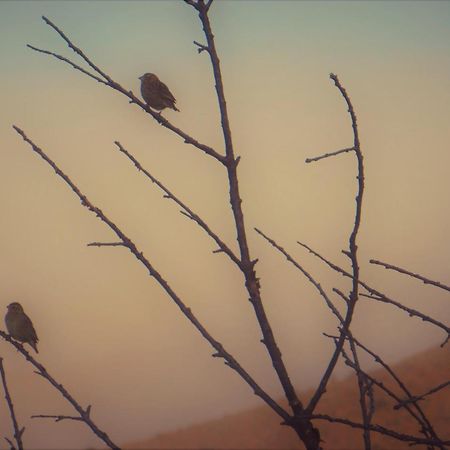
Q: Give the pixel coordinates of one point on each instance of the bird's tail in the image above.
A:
(33, 344)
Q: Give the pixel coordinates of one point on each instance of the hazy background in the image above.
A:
(107, 331)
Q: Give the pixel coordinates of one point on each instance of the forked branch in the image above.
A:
(108, 81)
(128, 243)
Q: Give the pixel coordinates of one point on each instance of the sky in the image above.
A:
(107, 331)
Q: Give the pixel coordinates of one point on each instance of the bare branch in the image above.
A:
(57, 418)
(328, 155)
(11, 443)
(78, 51)
(68, 61)
(352, 253)
(230, 360)
(201, 47)
(307, 275)
(422, 397)
(306, 431)
(18, 432)
(365, 393)
(411, 274)
(116, 86)
(42, 371)
(426, 424)
(382, 430)
(186, 210)
(376, 295)
(106, 244)
(192, 3)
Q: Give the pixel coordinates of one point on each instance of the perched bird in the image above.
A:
(19, 325)
(155, 93)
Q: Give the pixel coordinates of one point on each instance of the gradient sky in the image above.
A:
(107, 331)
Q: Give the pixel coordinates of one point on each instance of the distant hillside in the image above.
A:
(259, 428)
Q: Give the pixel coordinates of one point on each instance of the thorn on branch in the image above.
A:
(201, 47)
(347, 253)
(10, 443)
(189, 216)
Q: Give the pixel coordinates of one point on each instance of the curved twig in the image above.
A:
(352, 254)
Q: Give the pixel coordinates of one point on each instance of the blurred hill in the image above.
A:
(259, 428)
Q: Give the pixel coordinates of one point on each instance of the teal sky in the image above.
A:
(394, 60)
(382, 29)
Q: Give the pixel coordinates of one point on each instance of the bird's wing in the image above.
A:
(164, 92)
(29, 327)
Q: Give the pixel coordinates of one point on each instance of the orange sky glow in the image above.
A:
(107, 331)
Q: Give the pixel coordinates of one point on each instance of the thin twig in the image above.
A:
(424, 422)
(377, 295)
(327, 155)
(416, 398)
(116, 86)
(364, 387)
(128, 243)
(78, 51)
(309, 277)
(382, 430)
(42, 371)
(68, 61)
(201, 47)
(106, 244)
(188, 212)
(429, 433)
(18, 432)
(411, 274)
(57, 418)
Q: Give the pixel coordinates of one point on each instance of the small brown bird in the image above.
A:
(19, 325)
(156, 94)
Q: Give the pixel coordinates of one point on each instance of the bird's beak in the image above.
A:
(140, 78)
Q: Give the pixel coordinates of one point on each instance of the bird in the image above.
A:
(155, 93)
(19, 325)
